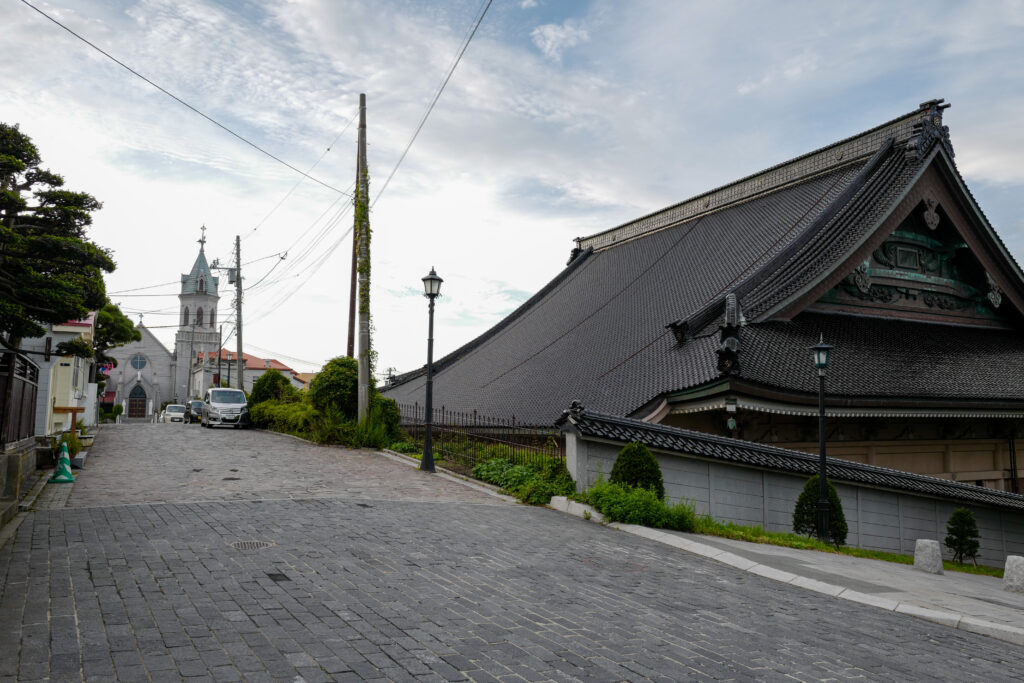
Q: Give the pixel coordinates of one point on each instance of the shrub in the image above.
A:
(805, 514)
(962, 535)
(118, 409)
(388, 415)
(71, 439)
(337, 386)
(272, 385)
(637, 466)
(406, 447)
(627, 504)
(531, 485)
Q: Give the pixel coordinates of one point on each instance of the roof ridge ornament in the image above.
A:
(927, 130)
(574, 412)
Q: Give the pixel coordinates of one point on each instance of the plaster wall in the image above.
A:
(878, 519)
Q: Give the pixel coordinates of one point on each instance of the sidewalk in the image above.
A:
(970, 602)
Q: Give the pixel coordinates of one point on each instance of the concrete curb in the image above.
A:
(956, 620)
(483, 487)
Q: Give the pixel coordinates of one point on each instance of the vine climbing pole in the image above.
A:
(362, 238)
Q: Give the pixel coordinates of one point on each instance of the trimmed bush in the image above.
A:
(387, 414)
(962, 535)
(636, 466)
(805, 514)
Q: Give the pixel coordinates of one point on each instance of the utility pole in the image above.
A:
(238, 310)
(191, 363)
(351, 349)
(220, 350)
(362, 230)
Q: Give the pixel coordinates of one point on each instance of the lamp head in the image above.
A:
(432, 284)
(820, 352)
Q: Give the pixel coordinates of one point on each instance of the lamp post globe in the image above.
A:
(820, 352)
(431, 289)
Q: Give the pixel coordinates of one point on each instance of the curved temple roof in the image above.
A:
(600, 331)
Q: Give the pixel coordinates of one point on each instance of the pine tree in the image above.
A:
(962, 535)
(805, 514)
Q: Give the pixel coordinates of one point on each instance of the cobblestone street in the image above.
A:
(227, 555)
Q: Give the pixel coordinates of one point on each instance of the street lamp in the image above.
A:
(820, 351)
(431, 289)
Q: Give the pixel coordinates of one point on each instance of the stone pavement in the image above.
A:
(361, 581)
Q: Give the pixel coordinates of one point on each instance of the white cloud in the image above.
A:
(554, 39)
(528, 4)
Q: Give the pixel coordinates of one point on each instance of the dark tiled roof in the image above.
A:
(597, 332)
(886, 358)
(724, 449)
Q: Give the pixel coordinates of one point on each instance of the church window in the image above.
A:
(202, 284)
(213, 318)
(138, 361)
(184, 317)
(199, 317)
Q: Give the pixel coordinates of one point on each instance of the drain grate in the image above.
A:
(277, 577)
(250, 545)
(231, 479)
(364, 505)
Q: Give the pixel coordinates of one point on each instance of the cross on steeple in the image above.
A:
(202, 240)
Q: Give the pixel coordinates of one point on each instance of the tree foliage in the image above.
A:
(49, 271)
(337, 386)
(113, 329)
(636, 466)
(805, 514)
(272, 386)
(962, 535)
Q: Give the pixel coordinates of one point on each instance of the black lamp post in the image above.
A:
(820, 351)
(431, 289)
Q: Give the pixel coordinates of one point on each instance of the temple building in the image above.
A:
(700, 316)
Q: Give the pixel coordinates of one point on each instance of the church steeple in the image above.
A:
(199, 292)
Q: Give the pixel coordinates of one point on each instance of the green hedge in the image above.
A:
(630, 505)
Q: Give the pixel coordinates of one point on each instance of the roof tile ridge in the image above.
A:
(902, 128)
(778, 450)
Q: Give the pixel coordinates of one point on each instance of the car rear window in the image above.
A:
(227, 396)
(175, 409)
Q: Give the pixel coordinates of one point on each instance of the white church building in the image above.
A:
(147, 373)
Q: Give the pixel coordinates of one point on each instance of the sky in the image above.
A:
(562, 119)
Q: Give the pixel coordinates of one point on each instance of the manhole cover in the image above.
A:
(250, 545)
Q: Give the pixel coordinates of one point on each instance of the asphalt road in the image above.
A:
(226, 555)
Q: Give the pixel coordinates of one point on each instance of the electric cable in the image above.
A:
(181, 101)
(430, 107)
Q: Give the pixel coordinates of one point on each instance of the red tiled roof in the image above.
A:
(251, 362)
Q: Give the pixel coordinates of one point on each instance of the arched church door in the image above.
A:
(137, 402)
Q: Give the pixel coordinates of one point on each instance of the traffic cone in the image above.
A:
(62, 475)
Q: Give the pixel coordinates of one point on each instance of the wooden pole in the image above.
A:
(238, 311)
(363, 233)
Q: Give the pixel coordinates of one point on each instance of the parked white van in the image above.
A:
(224, 407)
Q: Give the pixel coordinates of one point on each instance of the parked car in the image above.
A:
(194, 411)
(225, 407)
(175, 412)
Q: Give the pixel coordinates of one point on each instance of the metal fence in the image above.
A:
(19, 384)
(470, 438)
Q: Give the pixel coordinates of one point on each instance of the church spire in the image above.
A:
(202, 240)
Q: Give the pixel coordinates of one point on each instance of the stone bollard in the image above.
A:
(1013, 574)
(928, 556)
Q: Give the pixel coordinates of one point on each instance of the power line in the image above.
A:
(137, 289)
(181, 101)
(299, 181)
(437, 96)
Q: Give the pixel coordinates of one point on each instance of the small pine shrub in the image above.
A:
(636, 466)
(118, 409)
(805, 514)
(962, 535)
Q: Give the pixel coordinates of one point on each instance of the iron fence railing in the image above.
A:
(19, 384)
(470, 438)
